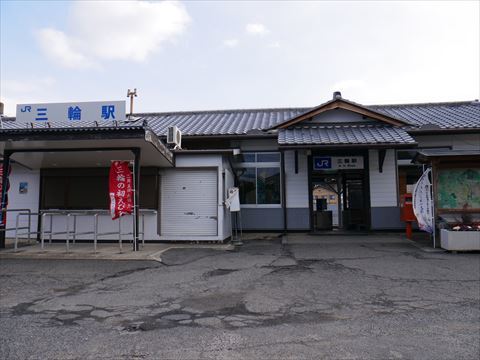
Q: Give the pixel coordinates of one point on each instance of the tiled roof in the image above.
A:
(454, 115)
(78, 125)
(350, 135)
(226, 122)
(69, 125)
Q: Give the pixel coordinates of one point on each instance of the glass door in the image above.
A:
(339, 202)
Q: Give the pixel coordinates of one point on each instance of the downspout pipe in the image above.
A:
(284, 192)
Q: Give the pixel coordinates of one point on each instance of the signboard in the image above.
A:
(337, 162)
(91, 111)
(459, 188)
(120, 189)
(422, 202)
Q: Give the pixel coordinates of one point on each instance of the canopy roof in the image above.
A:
(345, 135)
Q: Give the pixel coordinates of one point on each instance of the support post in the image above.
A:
(340, 203)
(3, 197)
(381, 159)
(136, 192)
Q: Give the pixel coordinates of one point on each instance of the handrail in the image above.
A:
(71, 234)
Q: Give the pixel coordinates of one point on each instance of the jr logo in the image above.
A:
(320, 163)
(26, 108)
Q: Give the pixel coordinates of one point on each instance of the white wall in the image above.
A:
(456, 141)
(383, 185)
(296, 184)
(30, 200)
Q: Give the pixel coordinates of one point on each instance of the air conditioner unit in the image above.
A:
(174, 136)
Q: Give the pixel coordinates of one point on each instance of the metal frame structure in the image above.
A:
(71, 233)
(136, 181)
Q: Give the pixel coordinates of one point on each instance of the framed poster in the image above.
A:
(458, 188)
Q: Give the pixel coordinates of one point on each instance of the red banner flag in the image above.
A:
(120, 189)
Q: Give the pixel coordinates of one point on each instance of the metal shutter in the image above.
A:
(189, 203)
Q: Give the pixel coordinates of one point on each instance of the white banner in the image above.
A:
(423, 203)
(233, 200)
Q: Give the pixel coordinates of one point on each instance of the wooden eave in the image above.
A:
(341, 104)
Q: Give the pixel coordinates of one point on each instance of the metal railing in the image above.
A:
(69, 231)
(21, 212)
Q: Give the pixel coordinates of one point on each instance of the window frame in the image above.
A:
(259, 165)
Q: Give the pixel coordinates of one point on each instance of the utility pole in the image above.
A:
(131, 95)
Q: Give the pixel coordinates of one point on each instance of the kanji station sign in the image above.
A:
(100, 111)
(120, 189)
(337, 162)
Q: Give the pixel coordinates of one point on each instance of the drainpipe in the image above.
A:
(284, 198)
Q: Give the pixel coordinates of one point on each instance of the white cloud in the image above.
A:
(256, 29)
(34, 84)
(231, 43)
(275, 44)
(58, 47)
(110, 30)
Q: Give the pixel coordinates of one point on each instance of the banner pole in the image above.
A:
(434, 219)
(136, 187)
(134, 206)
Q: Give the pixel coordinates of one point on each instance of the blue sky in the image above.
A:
(218, 55)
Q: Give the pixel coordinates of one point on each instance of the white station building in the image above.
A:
(339, 166)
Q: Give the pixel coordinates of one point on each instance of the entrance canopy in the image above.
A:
(82, 144)
(439, 155)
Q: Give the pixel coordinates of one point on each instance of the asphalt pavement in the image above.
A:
(313, 298)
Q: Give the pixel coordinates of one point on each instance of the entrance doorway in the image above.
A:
(339, 202)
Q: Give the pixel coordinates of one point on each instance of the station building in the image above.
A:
(339, 166)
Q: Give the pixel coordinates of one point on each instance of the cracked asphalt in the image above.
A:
(333, 298)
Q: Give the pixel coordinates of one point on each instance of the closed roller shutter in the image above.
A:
(189, 203)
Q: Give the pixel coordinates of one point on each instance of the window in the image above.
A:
(259, 178)
(85, 189)
(408, 172)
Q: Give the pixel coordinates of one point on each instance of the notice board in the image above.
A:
(458, 188)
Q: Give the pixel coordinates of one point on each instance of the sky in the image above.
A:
(196, 55)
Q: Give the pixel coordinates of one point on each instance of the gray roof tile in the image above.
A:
(454, 115)
(69, 125)
(349, 134)
(227, 122)
(451, 115)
